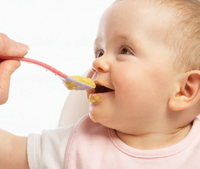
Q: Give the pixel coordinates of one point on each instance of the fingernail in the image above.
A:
(22, 46)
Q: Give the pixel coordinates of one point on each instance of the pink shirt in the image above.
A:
(93, 146)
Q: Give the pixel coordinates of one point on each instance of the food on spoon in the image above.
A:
(85, 80)
(72, 86)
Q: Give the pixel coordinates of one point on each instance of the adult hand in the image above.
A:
(8, 47)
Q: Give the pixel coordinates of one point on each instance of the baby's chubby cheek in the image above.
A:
(123, 85)
(126, 91)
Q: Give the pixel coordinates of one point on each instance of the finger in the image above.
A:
(8, 47)
(6, 69)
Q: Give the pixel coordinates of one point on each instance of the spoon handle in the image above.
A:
(44, 65)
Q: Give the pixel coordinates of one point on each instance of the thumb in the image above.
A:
(8, 47)
(6, 69)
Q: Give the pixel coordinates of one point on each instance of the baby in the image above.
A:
(143, 110)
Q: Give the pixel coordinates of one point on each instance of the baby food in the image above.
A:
(94, 98)
(72, 86)
(93, 119)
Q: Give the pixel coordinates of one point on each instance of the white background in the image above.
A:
(60, 33)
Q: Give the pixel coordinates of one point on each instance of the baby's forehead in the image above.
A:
(147, 7)
(148, 10)
(143, 13)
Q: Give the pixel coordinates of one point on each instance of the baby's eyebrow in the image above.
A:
(97, 43)
(117, 37)
(122, 38)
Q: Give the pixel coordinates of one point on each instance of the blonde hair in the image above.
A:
(183, 35)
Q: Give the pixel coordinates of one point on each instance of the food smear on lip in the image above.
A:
(94, 98)
(71, 86)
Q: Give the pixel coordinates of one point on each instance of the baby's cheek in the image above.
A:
(124, 83)
(122, 94)
(128, 89)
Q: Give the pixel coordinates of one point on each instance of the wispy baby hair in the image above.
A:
(183, 35)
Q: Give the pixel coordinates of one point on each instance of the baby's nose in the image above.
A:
(101, 64)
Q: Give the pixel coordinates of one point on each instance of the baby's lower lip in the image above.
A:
(98, 97)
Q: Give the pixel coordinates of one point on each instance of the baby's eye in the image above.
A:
(125, 51)
(99, 54)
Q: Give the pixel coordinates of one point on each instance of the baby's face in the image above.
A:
(132, 60)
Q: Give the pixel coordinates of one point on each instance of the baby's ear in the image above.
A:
(188, 93)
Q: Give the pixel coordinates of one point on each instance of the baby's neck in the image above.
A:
(152, 141)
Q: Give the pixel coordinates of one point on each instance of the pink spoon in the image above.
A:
(64, 77)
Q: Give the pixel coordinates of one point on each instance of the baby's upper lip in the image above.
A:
(102, 87)
(104, 84)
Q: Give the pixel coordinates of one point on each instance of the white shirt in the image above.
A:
(47, 151)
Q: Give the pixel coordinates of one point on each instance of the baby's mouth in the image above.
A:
(98, 93)
(102, 89)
